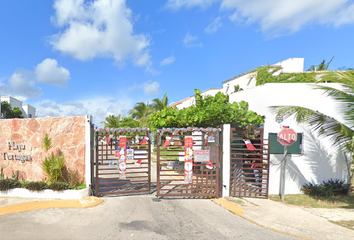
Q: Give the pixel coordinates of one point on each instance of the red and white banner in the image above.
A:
(122, 165)
(188, 159)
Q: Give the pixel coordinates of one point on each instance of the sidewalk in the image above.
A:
(306, 223)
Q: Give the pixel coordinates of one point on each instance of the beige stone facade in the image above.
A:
(21, 144)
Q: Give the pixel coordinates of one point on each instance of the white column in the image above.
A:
(88, 147)
(226, 160)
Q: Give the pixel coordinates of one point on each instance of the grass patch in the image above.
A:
(347, 224)
(342, 201)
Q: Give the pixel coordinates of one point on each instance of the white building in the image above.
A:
(27, 110)
(318, 161)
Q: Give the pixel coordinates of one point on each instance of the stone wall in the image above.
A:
(21, 141)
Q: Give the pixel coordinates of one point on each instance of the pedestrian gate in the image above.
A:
(244, 181)
(179, 177)
(114, 176)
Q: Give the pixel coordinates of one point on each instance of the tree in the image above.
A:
(128, 122)
(141, 112)
(8, 112)
(320, 67)
(341, 133)
(111, 121)
(160, 104)
(209, 111)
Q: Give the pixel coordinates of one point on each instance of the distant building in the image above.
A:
(27, 110)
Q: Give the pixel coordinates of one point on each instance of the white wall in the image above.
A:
(320, 161)
(291, 65)
(30, 112)
(245, 82)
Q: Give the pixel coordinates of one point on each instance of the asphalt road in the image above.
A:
(135, 217)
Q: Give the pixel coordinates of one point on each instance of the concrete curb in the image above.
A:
(30, 206)
(239, 211)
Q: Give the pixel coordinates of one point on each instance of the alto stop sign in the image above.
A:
(287, 137)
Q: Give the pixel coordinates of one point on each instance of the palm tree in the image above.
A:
(323, 66)
(141, 112)
(160, 104)
(341, 133)
(111, 121)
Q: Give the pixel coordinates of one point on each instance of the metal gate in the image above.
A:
(173, 180)
(244, 180)
(108, 176)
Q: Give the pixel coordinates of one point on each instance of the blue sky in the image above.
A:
(100, 57)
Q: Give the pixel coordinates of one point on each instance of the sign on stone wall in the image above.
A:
(21, 145)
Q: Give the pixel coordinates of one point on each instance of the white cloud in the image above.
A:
(168, 61)
(100, 28)
(191, 41)
(213, 26)
(277, 16)
(98, 107)
(49, 72)
(149, 87)
(178, 4)
(21, 84)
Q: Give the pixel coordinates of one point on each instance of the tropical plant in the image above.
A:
(160, 104)
(341, 133)
(209, 111)
(53, 166)
(112, 121)
(47, 142)
(321, 67)
(128, 122)
(141, 112)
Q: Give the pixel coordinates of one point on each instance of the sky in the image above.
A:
(101, 57)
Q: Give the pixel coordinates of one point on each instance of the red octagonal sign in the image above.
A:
(287, 137)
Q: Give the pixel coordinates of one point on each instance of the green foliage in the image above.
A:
(237, 88)
(7, 184)
(141, 113)
(320, 67)
(53, 166)
(36, 186)
(159, 104)
(59, 186)
(111, 121)
(268, 75)
(208, 111)
(72, 178)
(128, 122)
(8, 112)
(46, 142)
(326, 188)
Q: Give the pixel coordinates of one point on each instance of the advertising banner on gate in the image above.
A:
(201, 155)
(122, 164)
(188, 159)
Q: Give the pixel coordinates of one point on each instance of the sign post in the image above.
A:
(285, 137)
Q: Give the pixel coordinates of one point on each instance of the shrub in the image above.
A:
(7, 184)
(53, 167)
(59, 186)
(36, 186)
(326, 188)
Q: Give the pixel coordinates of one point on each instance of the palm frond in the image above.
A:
(339, 133)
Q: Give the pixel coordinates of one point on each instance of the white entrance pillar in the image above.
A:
(226, 160)
(88, 147)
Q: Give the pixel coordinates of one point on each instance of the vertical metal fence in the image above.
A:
(249, 176)
(171, 180)
(106, 166)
